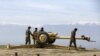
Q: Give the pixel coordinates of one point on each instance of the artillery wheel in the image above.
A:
(51, 40)
(42, 39)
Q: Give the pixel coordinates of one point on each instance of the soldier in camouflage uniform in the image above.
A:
(35, 35)
(28, 33)
(73, 39)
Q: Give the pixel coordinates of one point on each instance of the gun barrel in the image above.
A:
(67, 37)
(78, 38)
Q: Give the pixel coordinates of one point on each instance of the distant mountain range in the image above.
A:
(15, 34)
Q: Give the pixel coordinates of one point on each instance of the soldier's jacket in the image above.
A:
(35, 35)
(28, 33)
(73, 33)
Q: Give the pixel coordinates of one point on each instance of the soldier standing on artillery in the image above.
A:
(35, 35)
(73, 39)
(28, 33)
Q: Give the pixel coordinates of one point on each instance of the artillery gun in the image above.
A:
(45, 38)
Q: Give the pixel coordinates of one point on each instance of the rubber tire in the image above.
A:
(39, 43)
(51, 41)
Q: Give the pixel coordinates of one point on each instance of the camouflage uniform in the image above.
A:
(73, 39)
(35, 36)
(28, 33)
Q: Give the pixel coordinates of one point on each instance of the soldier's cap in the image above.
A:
(75, 29)
(42, 28)
(29, 27)
(36, 28)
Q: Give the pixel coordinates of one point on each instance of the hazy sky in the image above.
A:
(40, 12)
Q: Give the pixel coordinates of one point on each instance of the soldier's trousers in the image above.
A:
(28, 41)
(35, 41)
(74, 42)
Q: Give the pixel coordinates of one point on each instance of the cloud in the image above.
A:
(85, 23)
(31, 12)
(20, 24)
(12, 23)
(40, 25)
(89, 22)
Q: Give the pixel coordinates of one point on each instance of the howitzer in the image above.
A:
(50, 37)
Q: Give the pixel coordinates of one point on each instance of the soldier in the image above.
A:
(73, 39)
(42, 30)
(35, 35)
(28, 33)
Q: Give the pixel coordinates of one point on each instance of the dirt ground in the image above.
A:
(61, 51)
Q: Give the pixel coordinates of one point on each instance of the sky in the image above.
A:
(48, 12)
(43, 12)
